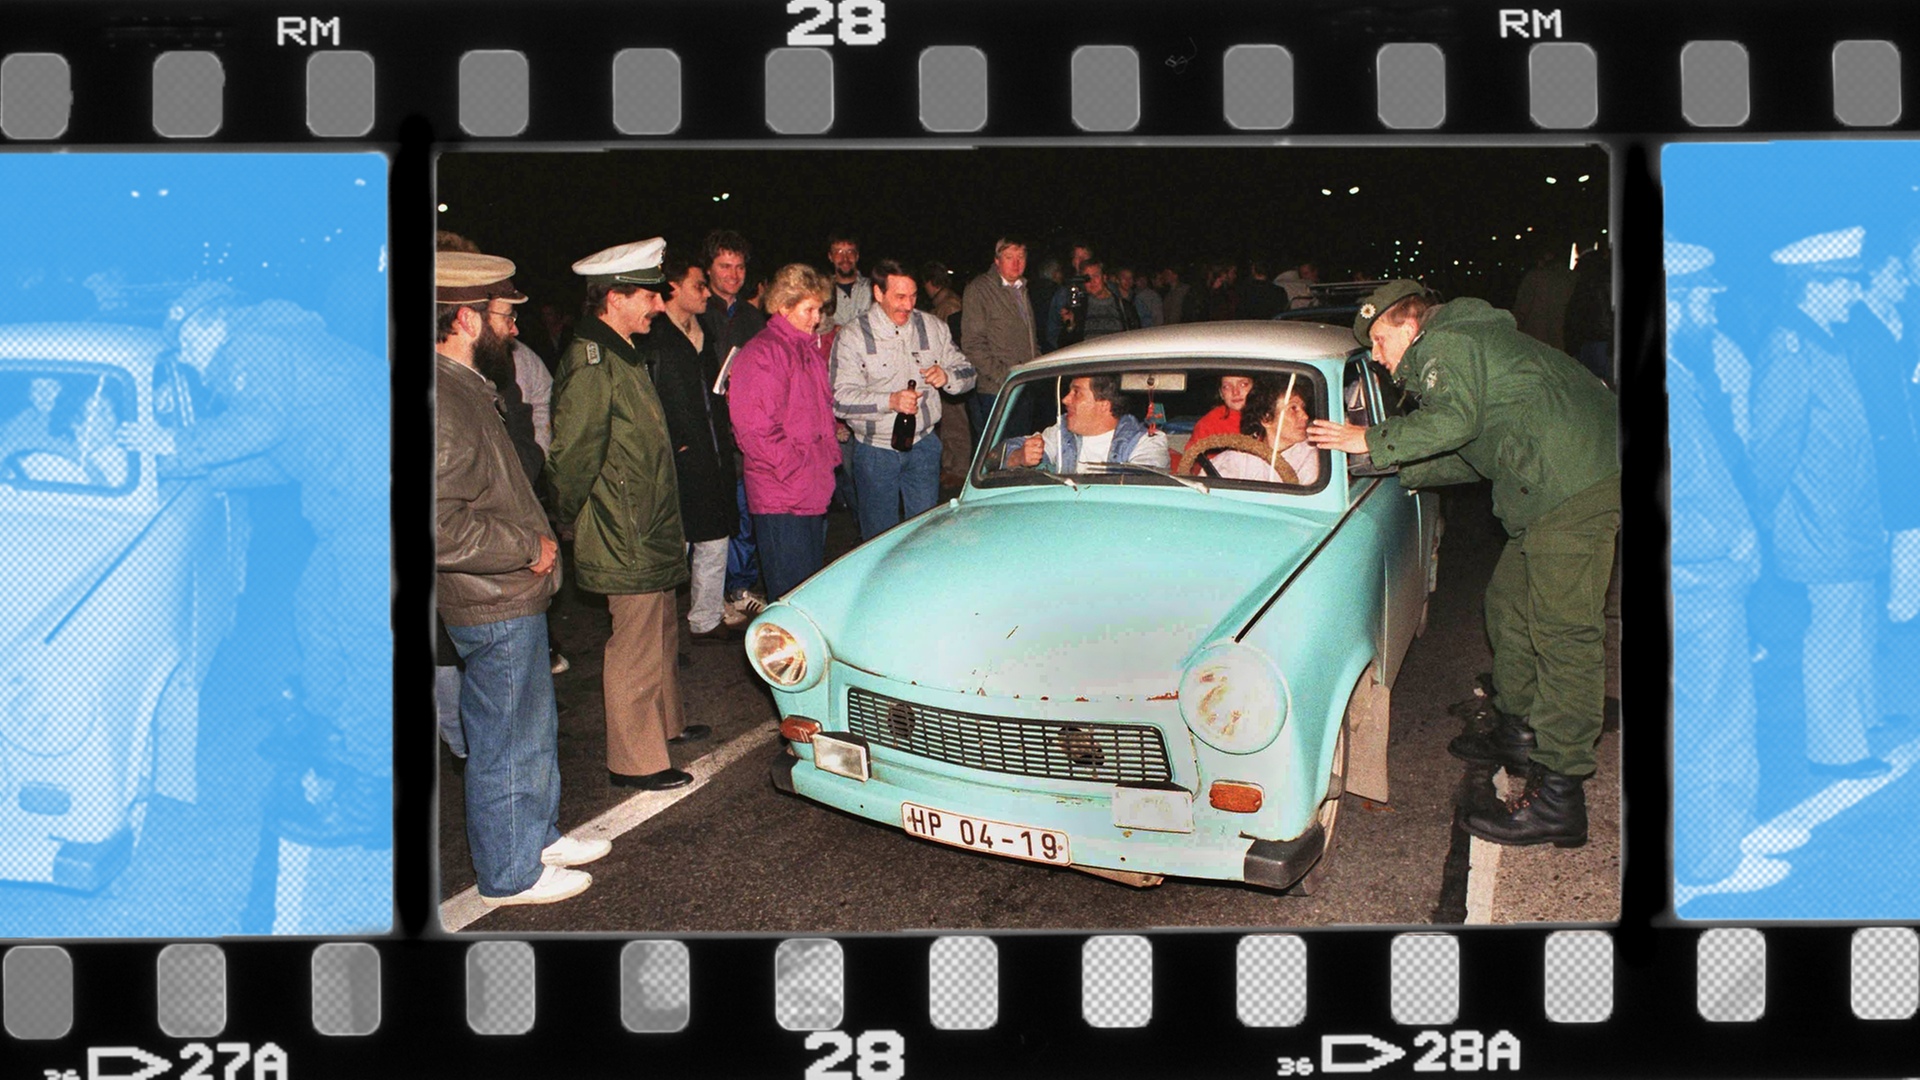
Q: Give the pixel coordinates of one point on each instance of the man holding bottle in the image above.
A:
(883, 366)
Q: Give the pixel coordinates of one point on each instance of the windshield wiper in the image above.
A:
(1057, 477)
(1187, 481)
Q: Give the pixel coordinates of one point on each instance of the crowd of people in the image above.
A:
(1795, 527)
(706, 448)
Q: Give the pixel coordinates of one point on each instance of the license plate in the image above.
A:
(982, 834)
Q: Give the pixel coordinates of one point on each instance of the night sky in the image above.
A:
(1135, 205)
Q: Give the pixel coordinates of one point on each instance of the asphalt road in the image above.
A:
(733, 854)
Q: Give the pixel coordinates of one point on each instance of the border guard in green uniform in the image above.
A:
(1499, 405)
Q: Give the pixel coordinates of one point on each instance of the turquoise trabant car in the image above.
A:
(122, 588)
(1123, 670)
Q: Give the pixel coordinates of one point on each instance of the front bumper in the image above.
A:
(1093, 839)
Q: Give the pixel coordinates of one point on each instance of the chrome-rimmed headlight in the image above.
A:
(1234, 698)
(787, 649)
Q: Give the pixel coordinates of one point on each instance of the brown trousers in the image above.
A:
(641, 681)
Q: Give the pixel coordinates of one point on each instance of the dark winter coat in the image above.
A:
(697, 421)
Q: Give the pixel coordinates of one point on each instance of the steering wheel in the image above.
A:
(1193, 454)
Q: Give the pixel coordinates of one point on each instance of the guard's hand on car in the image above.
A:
(146, 437)
(1331, 435)
(905, 401)
(548, 550)
(1033, 450)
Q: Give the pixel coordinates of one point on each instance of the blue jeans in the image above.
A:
(446, 700)
(886, 478)
(794, 546)
(743, 562)
(979, 405)
(513, 771)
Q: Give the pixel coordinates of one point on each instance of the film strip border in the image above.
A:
(1715, 996)
(240, 76)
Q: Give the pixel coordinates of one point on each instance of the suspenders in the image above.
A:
(873, 349)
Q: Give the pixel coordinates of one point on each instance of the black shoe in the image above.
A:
(664, 780)
(1508, 742)
(1550, 809)
(692, 733)
(331, 806)
(1864, 769)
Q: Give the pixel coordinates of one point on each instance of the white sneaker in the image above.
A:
(568, 851)
(748, 603)
(556, 883)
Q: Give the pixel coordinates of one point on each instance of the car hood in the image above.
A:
(1054, 593)
(65, 556)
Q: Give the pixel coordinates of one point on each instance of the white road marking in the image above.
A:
(1483, 862)
(1793, 828)
(464, 908)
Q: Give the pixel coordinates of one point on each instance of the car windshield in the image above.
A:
(57, 425)
(1135, 425)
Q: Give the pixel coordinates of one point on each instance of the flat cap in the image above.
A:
(1687, 267)
(1380, 300)
(1835, 252)
(462, 278)
(637, 263)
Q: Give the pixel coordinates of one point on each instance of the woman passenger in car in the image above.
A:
(1276, 414)
(1224, 418)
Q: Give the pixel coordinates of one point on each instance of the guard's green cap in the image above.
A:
(1380, 300)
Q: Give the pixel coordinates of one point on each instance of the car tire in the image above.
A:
(1314, 881)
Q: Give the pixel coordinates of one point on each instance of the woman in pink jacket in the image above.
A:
(782, 409)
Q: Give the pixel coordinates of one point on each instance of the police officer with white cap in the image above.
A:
(612, 467)
(1817, 493)
(292, 402)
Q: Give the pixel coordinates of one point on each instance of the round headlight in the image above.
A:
(778, 654)
(1233, 698)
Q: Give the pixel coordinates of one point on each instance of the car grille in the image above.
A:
(1048, 749)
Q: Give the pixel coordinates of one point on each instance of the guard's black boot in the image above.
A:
(298, 736)
(331, 805)
(1550, 809)
(1508, 742)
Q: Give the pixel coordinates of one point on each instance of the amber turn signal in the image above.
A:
(1234, 796)
(798, 729)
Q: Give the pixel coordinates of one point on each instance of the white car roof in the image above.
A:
(129, 347)
(1263, 340)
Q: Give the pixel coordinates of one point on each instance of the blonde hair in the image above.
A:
(793, 283)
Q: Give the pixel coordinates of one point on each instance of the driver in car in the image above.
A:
(32, 427)
(1276, 414)
(1098, 428)
(86, 454)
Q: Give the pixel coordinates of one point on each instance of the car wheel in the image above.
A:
(1315, 879)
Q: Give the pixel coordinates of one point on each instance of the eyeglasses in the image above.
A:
(510, 316)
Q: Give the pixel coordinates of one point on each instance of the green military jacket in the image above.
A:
(611, 464)
(1498, 404)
